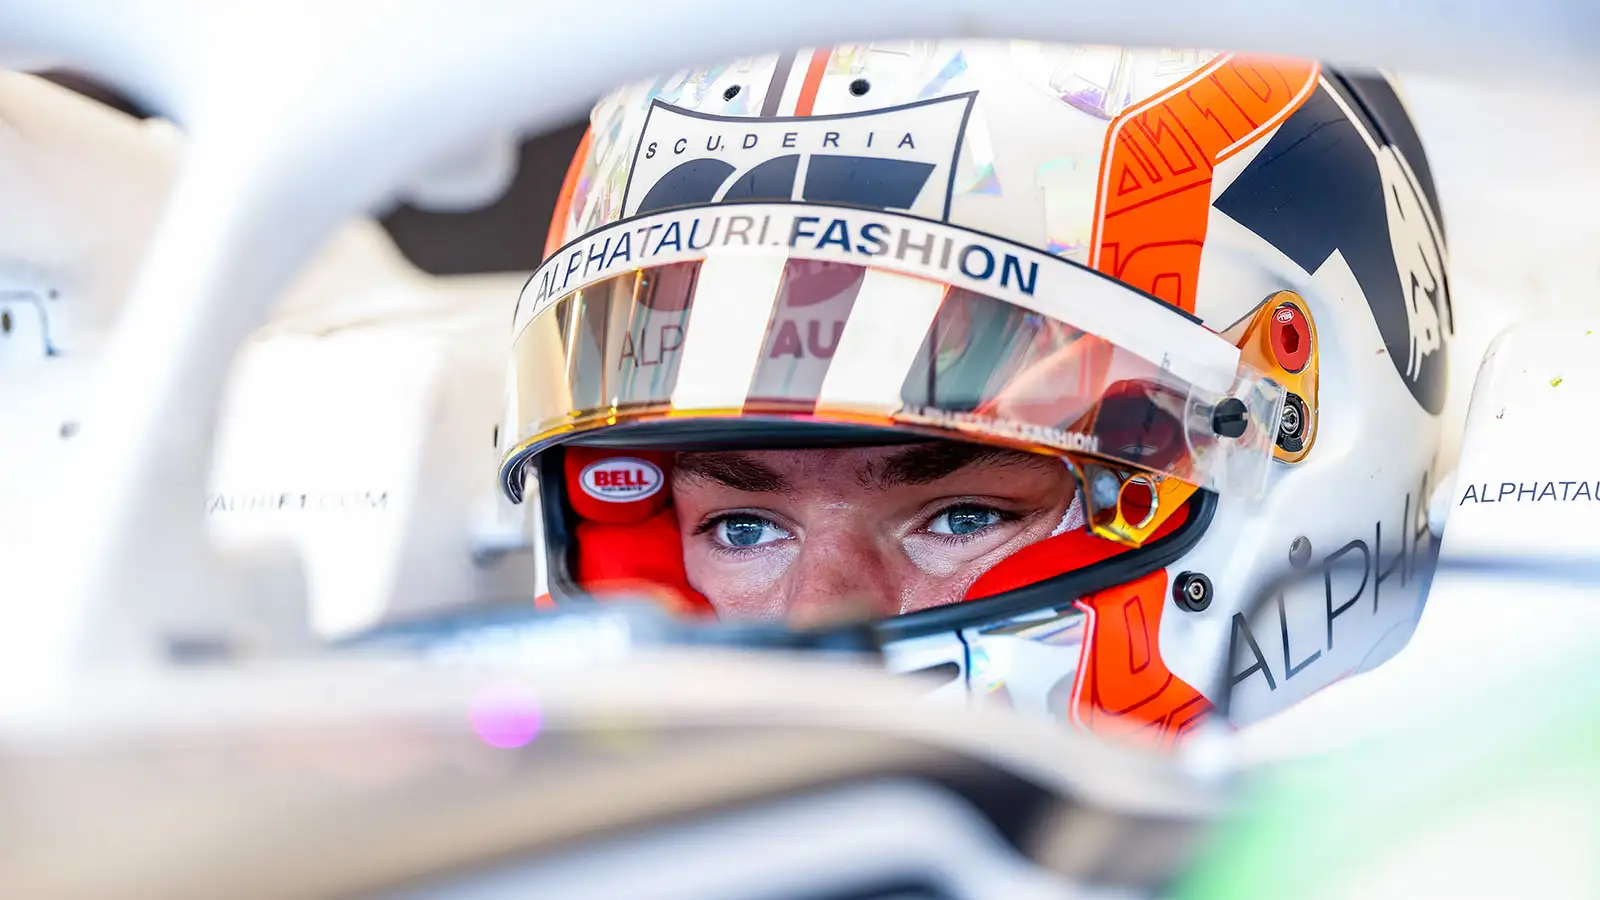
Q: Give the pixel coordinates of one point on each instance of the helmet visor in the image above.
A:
(853, 316)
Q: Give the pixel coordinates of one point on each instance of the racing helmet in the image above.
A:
(1212, 284)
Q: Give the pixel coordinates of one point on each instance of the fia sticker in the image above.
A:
(621, 479)
(901, 158)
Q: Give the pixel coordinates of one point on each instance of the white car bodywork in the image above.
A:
(360, 420)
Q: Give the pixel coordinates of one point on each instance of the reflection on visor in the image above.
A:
(775, 334)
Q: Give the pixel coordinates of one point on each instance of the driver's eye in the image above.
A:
(964, 520)
(743, 531)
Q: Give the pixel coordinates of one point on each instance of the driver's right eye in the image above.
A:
(741, 532)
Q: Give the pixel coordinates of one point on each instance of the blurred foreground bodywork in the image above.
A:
(1497, 796)
(703, 775)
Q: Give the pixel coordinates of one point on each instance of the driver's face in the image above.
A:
(807, 536)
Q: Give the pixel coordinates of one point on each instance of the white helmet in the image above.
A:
(1213, 284)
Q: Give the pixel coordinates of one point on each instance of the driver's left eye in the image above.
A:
(964, 520)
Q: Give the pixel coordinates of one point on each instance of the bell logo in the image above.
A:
(621, 479)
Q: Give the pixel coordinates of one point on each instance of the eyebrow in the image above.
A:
(927, 463)
(734, 470)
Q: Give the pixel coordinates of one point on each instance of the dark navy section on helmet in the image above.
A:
(1329, 182)
(1382, 105)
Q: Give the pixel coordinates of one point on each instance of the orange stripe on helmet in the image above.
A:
(813, 81)
(1124, 688)
(1154, 198)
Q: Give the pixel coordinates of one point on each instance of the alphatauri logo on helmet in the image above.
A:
(899, 158)
(621, 479)
(1332, 187)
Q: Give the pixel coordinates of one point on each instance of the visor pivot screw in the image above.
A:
(1230, 418)
(1291, 338)
(1292, 427)
(1300, 552)
(1192, 591)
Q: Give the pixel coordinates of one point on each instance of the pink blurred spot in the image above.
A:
(506, 715)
